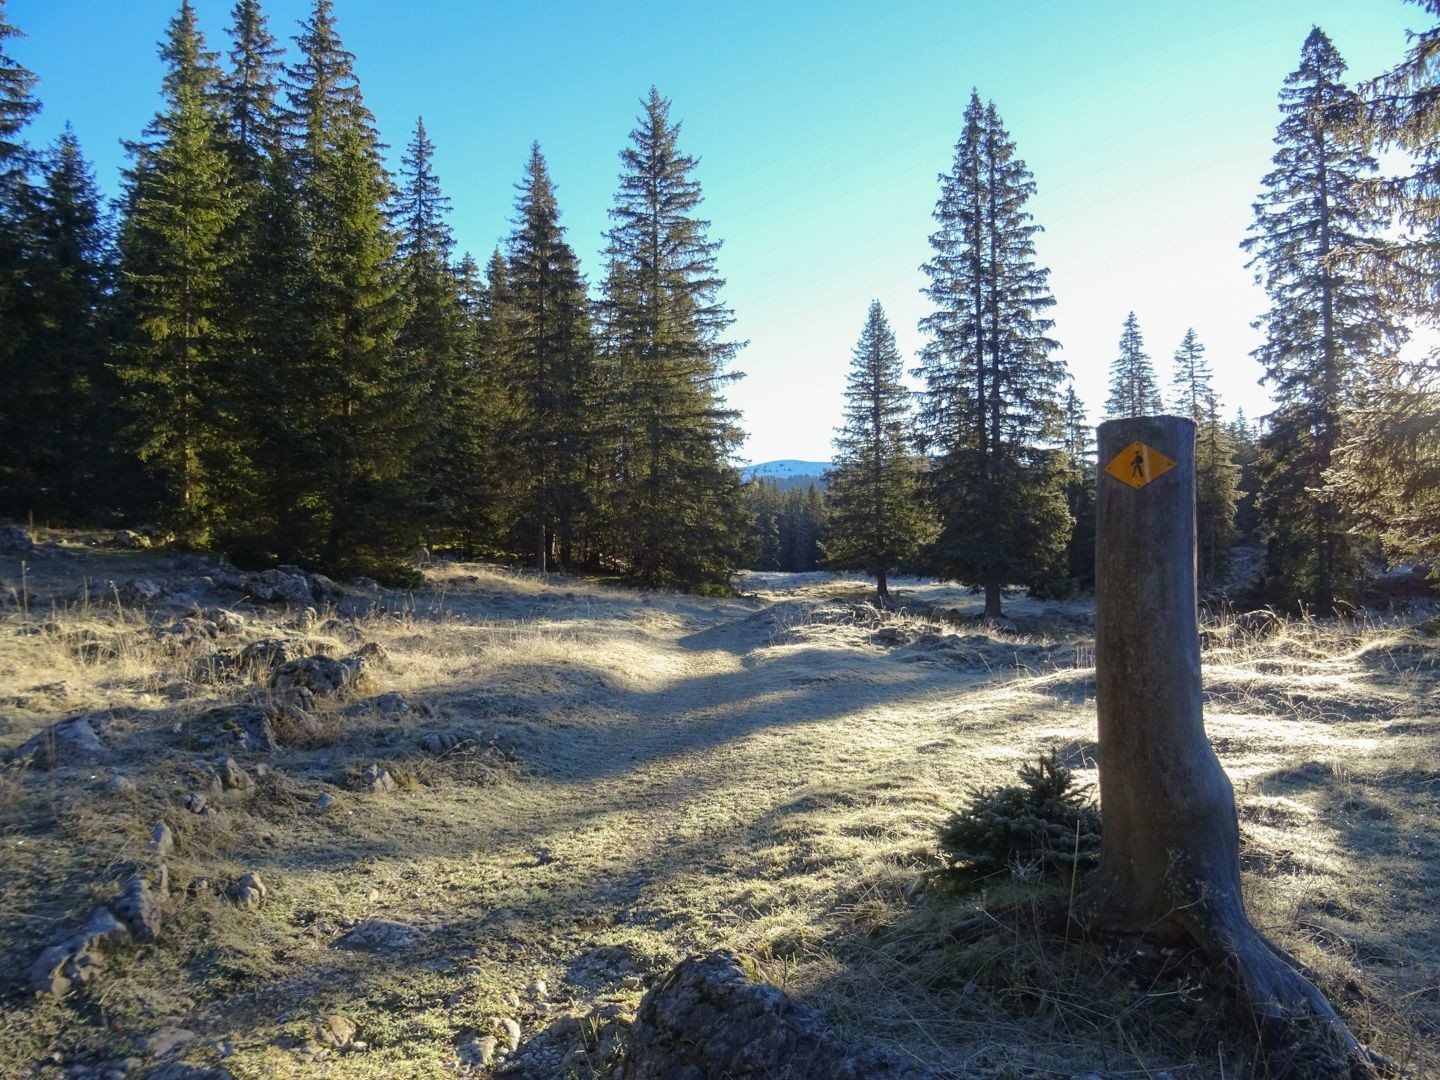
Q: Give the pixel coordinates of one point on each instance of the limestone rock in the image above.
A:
(263, 655)
(245, 727)
(324, 802)
(140, 591)
(707, 1020)
(162, 840)
(79, 957)
(335, 1030)
(250, 891)
(287, 585)
(380, 935)
(377, 781)
(478, 1050)
(511, 1027)
(15, 541)
(120, 784)
(233, 778)
(321, 675)
(139, 909)
(65, 742)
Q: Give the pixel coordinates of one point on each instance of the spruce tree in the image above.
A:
(1133, 389)
(68, 457)
(438, 343)
(18, 106)
(1191, 379)
(990, 414)
(1080, 475)
(549, 369)
(1388, 468)
(676, 512)
(873, 494)
(1324, 324)
(1216, 474)
(178, 209)
(359, 405)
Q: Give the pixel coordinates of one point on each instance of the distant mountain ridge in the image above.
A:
(784, 469)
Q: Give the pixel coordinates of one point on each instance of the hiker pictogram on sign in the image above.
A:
(1138, 464)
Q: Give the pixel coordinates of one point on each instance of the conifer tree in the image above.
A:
(68, 398)
(1080, 474)
(990, 414)
(17, 206)
(1191, 379)
(1388, 468)
(178, 210)
(873, 492)
(1324, 323)
(676, 510)
(1216, 474)
(1133, 389)
(359, 408)
(434, 344)
(549, 370)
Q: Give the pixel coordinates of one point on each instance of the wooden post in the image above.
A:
(1170, 848)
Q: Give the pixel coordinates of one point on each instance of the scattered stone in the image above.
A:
(538, 990)
(162, 840)
(335, 1030)
(79, 957)
(139, 909)
(708, 1010)
(389, 705)
(321, 675)
(233, 777)
(263, 655)
(120, 784)
(372, 652)
(15, 541)
(306, 619)
(125, 538)
(140, 591)
(441, 742)
(195, 802)
(380, 935)
(65, 742)
(225, 620)
(167, 1040)
(478, 1050)
(250, 891)
(377, 781)
(287, 585)
(512, 1033)
(244, 727)
(325, 802)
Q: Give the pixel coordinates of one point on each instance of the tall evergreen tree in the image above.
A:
(1388, 468)
(360, 405)
(1133, 389)
(990, 413)
(873, 491)
(178, 210)
(677, 513)
(550, 368)
(1080, 475)
(436, 345)
(1191, 378)
(18, 106)
(67, 460)
(1324, 323)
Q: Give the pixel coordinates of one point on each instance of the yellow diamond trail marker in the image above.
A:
(1138, 464)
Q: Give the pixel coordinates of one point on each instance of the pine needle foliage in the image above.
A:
(989, 416)
(1133, 389)
(877, 520)
(1048, 820)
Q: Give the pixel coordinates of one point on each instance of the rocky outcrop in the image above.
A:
(65, 742)
(706, 1020)
(79, 958)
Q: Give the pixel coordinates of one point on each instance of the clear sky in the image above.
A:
(821, 129)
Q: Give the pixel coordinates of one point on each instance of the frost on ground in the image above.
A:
(503, 806)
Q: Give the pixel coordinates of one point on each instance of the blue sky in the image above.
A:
(821, 129)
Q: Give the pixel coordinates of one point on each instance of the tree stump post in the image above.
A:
(1170, 848)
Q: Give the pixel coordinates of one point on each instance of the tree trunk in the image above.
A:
(880, 587)
(1170, 854)
(542, 549)
(992, 600)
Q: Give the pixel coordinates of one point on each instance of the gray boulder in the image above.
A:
(15, 541)
(79, 958)
(139, 909)
(706, 1020)
(140, 591)
(321, 675)
(66, 742)
(243, 727)
(286, 585)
